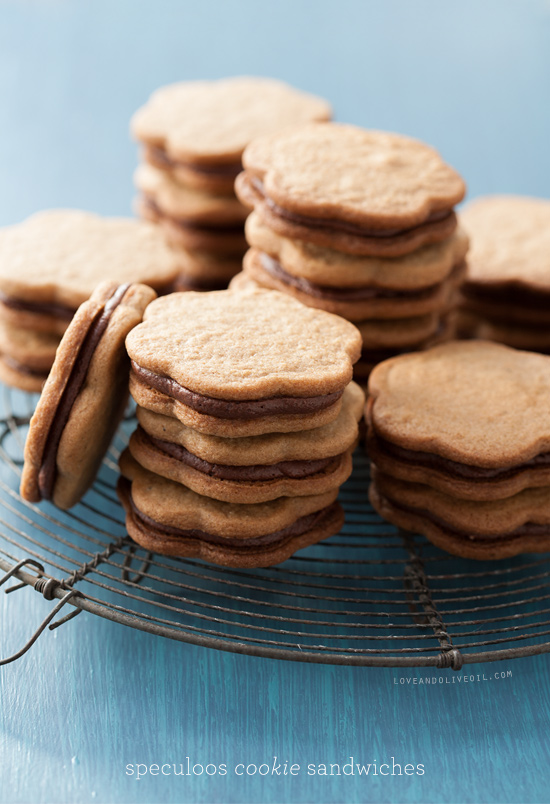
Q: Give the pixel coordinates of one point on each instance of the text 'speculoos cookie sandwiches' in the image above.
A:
(506, 295)
(358, 223)
(459, 438)
(50, 264)
(84, 396)
(193, 136)
(247, 415)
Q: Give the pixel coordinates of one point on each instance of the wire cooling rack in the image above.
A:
(371, 595)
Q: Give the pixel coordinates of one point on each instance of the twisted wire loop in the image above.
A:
(47, 587)
(80, 572)
(414, 579)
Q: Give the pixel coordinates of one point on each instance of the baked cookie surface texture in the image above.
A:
(459, 439)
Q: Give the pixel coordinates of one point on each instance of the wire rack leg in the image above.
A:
(59, 605)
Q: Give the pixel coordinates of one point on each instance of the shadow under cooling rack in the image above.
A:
(371, 595)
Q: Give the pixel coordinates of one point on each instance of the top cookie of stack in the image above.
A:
(506, 294)
(358, 223)
(50, 264)
(193, 136)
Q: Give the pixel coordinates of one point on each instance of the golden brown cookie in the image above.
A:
(354, 304)
(507, 288)
(473, 397)
(26, 356)
(345, 188)
(84, 396)
(219, 240)
(199, 129)
(371, 354)
(469, 419)
(53, 261)
(241, 363)
(471, 529)
(205, 269)
(187, 206)
(251, 470)
(169, 518)
(426, 266)
(519, 336)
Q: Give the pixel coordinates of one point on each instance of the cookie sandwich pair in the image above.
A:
(357, 223)
(459, 438)
(506, 295)
(246, 423)
(193, 135)
(50, 264)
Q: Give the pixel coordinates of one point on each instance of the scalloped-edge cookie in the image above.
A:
(354, 304)
(209, 123)
(53, 261)
(484, 530)
(255, 469)
(422, 268)
(357, 191)
(477, 403)
(168, 518)
(251, 358)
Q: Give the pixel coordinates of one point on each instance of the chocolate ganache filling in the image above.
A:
(274, 268)
(77, 377)
(527, 529)
(38, 308)
(298, 528)
(231, 409)
(159, 157)
(295, 470)
(344, 227)
(513, 293)
(461, 471)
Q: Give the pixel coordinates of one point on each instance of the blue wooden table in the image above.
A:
(95, 705)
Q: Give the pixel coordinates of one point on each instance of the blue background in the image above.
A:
(471, 78)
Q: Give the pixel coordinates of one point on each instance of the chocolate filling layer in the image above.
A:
(189, 223)
(341, 226)
(159, 156)
(298, 528)
(528, 529)
(461, 471)
(77, 377)
(274, 268)
(184, 283)
(291, 469)
(512, 293)
(226, 409)
(39, 308)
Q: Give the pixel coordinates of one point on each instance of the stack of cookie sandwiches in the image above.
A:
(193, 135)
(459, 438)
(506, 295)
(50, 264)
(358, 223)
(247, 418)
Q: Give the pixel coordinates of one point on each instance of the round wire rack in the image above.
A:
(371, 595)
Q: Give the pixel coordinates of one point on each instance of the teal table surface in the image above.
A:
(97, 712)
